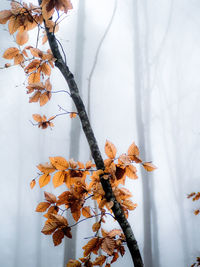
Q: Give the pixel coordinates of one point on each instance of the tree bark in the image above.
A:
(117, 210)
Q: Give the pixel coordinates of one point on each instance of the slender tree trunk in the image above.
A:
(70, 245)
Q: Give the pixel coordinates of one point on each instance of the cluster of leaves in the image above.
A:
(37, 64)
(195, 197)
(83, 182)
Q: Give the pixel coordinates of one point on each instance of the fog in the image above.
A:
(144, 88)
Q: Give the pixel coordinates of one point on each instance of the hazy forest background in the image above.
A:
(145, 87)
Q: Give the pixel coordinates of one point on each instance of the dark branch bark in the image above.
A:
(117, 210)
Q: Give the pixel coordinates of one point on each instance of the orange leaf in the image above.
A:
(44, 179)
(86, 212)
(72, 115)
(32, 183)
(115, 232)
(72, 164)
(88, 164)
(110, 150)
(42, 206)
(46, 168)
(35, 97)
(11, 53)
(50, 197)
(13, 25)
(73, 263)
(133, 150)
(44, 98)
(36, 52)
(131, 172)
(149, 166)
(18, 59)
(99, 260)
(96, 226)
(45, 68)
(34, 77)
(49, 228)
(58, 235)
(129, 204)
(90, 246)
(59, 163)
(76, 214)
(37, 117)
(22, 37)
(58, 178)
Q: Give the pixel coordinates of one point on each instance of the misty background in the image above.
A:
(137, 64)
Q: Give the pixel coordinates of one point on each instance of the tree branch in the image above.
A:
(117, 210)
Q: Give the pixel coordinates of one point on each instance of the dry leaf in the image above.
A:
(99, 260)
(110, 150)
(22, 37)
(50, 197)
(11, 53)
(32, 183)
(58, 178)
(49, 228)
(44, 179)
(90, 246)
(149, 166)
(131, 172)
(86, 212)
(59, 163)
(108, 245)
(96, 226)
(58, 235)
(42, 206)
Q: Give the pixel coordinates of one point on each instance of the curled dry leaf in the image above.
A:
(73, 263)
(88, 248)
(49, 228)
(99, 261)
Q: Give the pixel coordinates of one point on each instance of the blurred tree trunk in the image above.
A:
(70, 244)
(143, 111)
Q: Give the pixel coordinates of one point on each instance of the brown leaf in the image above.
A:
(58, 235)
(44, 179)
(90, 246)
(5, 16)
(58, 178)
(73, 263)
(86, 212)
(32, 183)
(59, 163)
(36, 52)
(148, 166)
(76, 214)
(108, 245)
(42, 206)
(13, 25)
(110, 150)
(115, 257)
(99, 260)
(32, 66)
(49, 228)
(59, 219)
(11, 53)
(50, 197)
(114, 232)
(67, 232)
